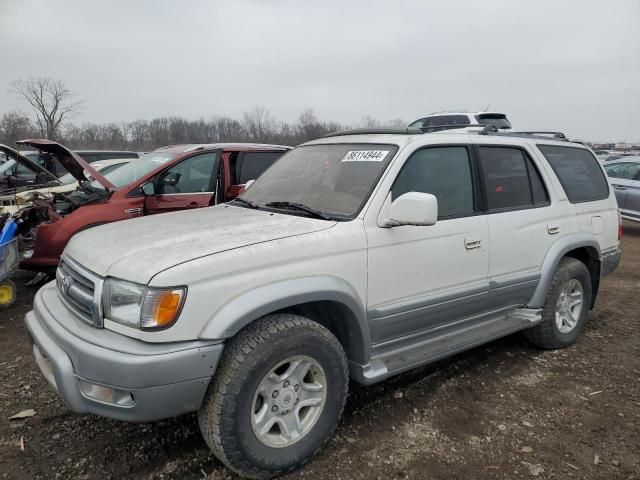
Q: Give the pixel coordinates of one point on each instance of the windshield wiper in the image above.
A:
(245, 202)
(301, 207)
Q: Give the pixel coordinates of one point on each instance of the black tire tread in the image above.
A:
(231, 371)
(543, 335)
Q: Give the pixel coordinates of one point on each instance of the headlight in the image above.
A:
(140, 306)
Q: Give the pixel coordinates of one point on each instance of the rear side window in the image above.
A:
(578, 171)
(253, 164)
(624, 171)
(510, 179)
(442, 171)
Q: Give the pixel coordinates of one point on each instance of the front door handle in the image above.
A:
(472, 242)
(552, 229)
(619, 187)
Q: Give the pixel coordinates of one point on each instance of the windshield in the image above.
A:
(137, 169)
(498, 120)
(335, 180)
(6, 168)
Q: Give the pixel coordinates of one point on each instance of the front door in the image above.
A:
(424, 277)
(188, 184)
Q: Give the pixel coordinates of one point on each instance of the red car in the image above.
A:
(170, 178)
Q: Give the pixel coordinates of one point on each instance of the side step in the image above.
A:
(431, 346)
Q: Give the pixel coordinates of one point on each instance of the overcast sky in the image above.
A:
(567, 65)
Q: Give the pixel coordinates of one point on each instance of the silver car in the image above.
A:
(624, 175)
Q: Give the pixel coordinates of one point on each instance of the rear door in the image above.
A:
(521, 226)
(187, 184)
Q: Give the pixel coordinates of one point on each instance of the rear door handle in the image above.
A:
(552, 229)
(472, 242)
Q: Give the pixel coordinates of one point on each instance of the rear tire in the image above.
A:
(565, 308)
(283, 370)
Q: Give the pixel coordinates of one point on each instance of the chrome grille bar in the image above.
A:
(80, 290)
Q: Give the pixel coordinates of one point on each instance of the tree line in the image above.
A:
(53, 105)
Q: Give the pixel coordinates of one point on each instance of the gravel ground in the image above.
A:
(502, 411)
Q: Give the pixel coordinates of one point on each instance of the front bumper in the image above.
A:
(149, 381)
(610, 261)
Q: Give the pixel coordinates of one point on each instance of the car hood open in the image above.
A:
(138, 249)
(72, 162)
(28, 163)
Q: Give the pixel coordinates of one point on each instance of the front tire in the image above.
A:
(277, 396)
(565, 308)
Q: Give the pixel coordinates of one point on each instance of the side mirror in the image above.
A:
(413, 208)
(148, 189)
(248, 184)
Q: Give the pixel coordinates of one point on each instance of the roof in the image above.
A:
(178, 149)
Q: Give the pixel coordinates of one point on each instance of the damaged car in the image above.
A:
(20, 171)
(168, 179)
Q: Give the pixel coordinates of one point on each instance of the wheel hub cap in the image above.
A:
(569, 306)
(288, 401)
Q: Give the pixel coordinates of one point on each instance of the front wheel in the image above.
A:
(276, 397)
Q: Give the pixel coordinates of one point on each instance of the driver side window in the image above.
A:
(193, 175)
(442, 171)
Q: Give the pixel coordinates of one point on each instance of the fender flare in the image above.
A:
(557, 251)
(253, 304)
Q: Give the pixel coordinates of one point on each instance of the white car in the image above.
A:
(356, 256)
(14, 201)
(460, 119)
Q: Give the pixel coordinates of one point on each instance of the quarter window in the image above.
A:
(578, 171)
(442, 171)
(510, 179)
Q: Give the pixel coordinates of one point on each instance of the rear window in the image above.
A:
(578, 171)
(498, 120)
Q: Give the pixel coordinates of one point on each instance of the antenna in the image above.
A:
(486, 109)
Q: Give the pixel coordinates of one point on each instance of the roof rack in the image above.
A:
(492, 130)
(373, 131)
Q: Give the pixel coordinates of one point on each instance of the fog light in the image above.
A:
(104, 394)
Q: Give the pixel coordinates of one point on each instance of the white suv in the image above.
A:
(459, 119)
(355, 256)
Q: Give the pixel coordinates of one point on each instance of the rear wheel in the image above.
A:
(566, 306)
(276, 397)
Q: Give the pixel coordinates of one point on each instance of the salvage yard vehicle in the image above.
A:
(359, 255)
(460, 119)
(624, 175)
(19, 171)
(171, 178)
(21, 197)
(49, 162)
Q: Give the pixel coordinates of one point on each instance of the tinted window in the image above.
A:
(625, 171)
(578, 172)
(253, 164)
(443, 172)
(510, 179)
(192, 175)
(498, 120)
(458, 120)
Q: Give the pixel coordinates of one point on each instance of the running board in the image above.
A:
(432, 347)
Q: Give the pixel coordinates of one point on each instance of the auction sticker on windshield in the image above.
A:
(365, 156)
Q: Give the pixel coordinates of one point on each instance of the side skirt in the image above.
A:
(406, 354)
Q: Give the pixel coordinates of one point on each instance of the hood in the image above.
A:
(28, 163)
(140, 248)
(72, 162)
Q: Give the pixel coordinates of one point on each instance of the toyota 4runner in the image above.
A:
(360, 255)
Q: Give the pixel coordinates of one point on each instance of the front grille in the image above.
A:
(80, 290)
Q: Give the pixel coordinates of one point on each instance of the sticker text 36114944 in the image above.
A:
(365, 156)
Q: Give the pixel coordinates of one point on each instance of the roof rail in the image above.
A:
(373, 131)
(491, 130)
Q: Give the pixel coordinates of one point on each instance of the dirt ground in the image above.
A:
(502, 411)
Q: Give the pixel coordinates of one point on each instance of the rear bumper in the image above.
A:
(146, 381)
(610, 261)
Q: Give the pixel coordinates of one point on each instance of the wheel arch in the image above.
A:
(582, 247)
(329, 301)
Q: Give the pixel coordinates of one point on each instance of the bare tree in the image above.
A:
(259, 124)
(368, 121)
(51, 100)
(15, 126)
